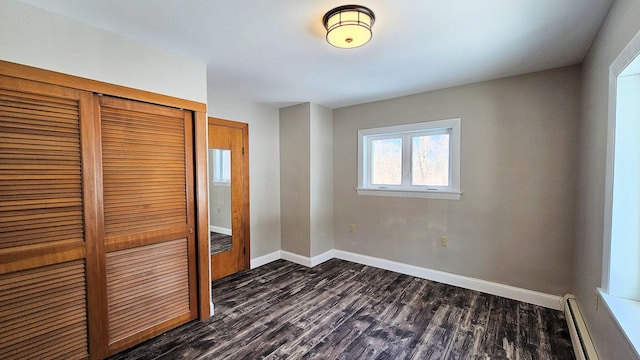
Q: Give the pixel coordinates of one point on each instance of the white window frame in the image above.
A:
(625, 311)
(407, 131)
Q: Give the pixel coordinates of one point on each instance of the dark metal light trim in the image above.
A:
(342, 8)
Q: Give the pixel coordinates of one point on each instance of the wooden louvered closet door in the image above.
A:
(147, 220)
(45, 176)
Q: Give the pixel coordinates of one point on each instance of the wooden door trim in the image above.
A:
(202, 215)
(192, 214)
(96, 279)
(245, 182)
(11, 261)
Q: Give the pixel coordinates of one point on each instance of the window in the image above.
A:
(414, 160)
(222, 167)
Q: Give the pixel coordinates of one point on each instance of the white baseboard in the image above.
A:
(319, 259)
(510, 292)
(295, 258)
(265, 259)
(307, 261)
(489, 287)
(220, 230)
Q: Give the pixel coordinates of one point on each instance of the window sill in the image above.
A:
(441, 195)
(627, 314)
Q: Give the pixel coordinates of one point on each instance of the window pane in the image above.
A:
(226, 165)
(430, 160)
(222, 165)
(386, 162)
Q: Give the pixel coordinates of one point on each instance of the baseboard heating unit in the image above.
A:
(582, 344)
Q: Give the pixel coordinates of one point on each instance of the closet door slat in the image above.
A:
(49, 154)
(135, 151)
(43, 312)
(144, 300)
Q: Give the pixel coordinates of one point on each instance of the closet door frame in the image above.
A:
(97, 347)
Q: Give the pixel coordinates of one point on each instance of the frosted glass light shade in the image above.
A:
(349, 26)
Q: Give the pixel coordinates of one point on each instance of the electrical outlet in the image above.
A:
(444, 241)
(352, 228)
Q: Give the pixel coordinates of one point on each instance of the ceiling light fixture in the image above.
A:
(348, 26)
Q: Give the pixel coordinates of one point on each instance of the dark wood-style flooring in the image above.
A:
(343, 310)
(220, 242)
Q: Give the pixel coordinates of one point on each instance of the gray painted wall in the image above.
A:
(264, 167)
(321, 146)
(295, 185)
(515, 221)
(306, 173)
(220, 205)
(619, 28)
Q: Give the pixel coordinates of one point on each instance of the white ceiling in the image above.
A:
(274, 51)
